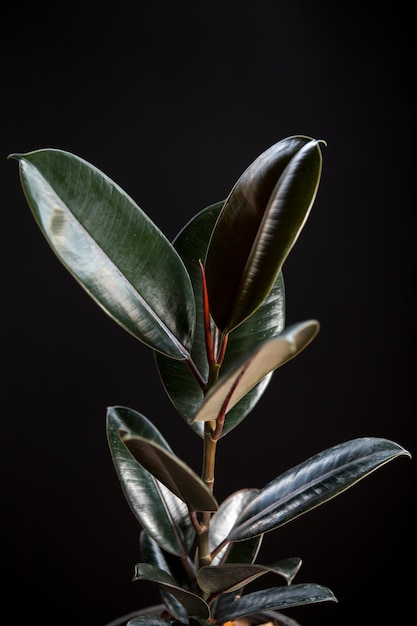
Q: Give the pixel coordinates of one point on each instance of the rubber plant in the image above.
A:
(211, 307)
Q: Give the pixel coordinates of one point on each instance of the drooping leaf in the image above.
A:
(267, 321)
(162, 514)
(271, 599)
(266, 358)
(193, 604)
(151, 553)
(288, 568)
(260, 221)
(112, 248)
(170, 471)
(222, 523)
(312, 483)
(215, 579)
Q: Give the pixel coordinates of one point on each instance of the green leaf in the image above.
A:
(270, 355)
(152, 554)
(312, 483)
(257, 227)
(112, 249)
(222, 523)
(272, 599)
(164, 516)
(171, 472)
(267, 321)
(243, 551)
(193, 604)
(147, 621)
(216, 579)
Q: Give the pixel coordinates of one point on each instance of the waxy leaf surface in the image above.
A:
(151, 553)
(274, 598)
(270, 355)
(312, 483)
(259, 223)
(230, 577)
(267, 321)
(193, 604)
(147, 621)
(222, 523)
(112, 249)
(162, 514)
(170, 471)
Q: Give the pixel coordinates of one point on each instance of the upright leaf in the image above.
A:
(164, 516)
(222, 523)
(259, 223)
(268, 321)
(112, 249)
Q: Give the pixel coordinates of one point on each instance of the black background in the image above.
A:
(173, 102)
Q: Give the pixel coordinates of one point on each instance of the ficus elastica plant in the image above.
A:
(210, 305)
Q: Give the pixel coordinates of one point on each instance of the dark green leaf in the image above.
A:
(147, 621)
(267, 321)
(171, 472)
(193, 604)
(272, 599)
(222, 523)
(164, 516)
(312, 483)
(152, 554)
(288, 568)
(260, 221)
(243, 551)
(270, 355)
(215, 579)
(111, 248)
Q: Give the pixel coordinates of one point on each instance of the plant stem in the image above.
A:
(214, 360)
(209, 458)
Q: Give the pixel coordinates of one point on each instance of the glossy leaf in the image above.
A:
(193, 604)
(243, 551)
(147, 621)
(267, 321)
(271, 599)
(152, 554)
(260, 221)
(230, 577)
(164, 516)
(170, 471)
(270, 355)
(112, 248)
(222, 523)
(312, 483)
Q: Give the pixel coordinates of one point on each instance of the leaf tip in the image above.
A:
(14, 155)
